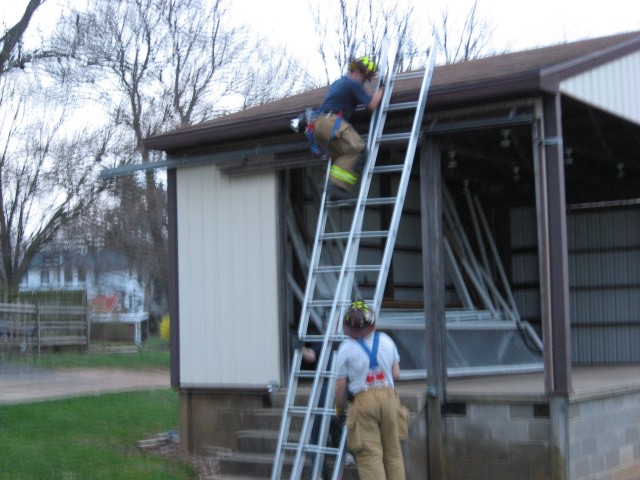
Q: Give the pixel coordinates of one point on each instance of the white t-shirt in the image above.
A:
(353, 361)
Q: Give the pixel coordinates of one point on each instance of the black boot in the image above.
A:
(359, 166)
(334, 192)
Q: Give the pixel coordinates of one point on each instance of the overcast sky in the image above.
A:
(517, 24)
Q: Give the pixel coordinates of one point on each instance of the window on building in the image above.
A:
(44, 276)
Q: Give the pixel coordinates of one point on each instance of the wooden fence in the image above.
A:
(27, 327)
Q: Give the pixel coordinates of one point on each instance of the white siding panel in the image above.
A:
(612, 87)
(227, 257)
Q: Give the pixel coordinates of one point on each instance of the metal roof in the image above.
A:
(491, 79)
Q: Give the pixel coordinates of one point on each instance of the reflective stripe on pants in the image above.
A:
(344, 148)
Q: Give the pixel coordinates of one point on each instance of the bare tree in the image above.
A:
(465, 40)
(47, 177)
(272, 78)
(48, 172)
(200, 50)
(350, 28)
(11, 52)
(161, 65)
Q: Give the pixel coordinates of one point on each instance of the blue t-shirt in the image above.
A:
(344, 96)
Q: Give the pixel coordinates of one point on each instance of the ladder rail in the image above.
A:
(384, 51)
(293, 381)
(286, 419)
(404, 179)
(314, 261)
(324, 426)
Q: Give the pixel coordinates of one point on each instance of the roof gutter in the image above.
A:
(179, 161)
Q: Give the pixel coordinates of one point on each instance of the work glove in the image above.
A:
(295, 343)
(341, 415)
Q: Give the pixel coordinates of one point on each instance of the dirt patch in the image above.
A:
(25, 384)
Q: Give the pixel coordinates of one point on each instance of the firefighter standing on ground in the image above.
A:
(368, 363)
(332, 128)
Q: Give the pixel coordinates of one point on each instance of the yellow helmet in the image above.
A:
(359, 321)
(365, 64)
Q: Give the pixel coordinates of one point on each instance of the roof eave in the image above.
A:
(440, 98)
(551, 77)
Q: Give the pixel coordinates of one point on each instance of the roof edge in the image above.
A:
(550, 77)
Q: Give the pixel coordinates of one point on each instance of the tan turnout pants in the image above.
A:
(373, 427)
(344, 148)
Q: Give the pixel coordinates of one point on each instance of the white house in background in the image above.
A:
(102, 273)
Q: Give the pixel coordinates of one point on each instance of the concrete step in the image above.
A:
(257, 441)
(270, 418)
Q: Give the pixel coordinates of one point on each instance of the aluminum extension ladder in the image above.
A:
(302, 408)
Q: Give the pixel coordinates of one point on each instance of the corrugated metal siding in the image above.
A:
(227, 254)
(604, 269)
(604, 281)
(612, 87)
(525, 270)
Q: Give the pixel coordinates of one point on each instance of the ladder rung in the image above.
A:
(381, 201)
(395, 137)
(398, 167)
(402, 106)
(354, 268)
(366, 234)
(347, 202)
(365, 268)
(335, 236)
(374, 234)
(312, 374)
(302, 410)
(320, 338)
(328, 269)
(309, 448)
(328, 303)
(290, 446)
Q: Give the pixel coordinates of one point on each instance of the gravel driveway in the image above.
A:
(24, 383)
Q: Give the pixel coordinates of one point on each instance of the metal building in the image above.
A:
(545, 143)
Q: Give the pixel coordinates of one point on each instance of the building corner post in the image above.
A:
(554, 277)
(435, 326)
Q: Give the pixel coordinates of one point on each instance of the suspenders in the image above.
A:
(375, 377)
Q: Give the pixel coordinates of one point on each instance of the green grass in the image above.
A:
(153, 355)
(89, 438)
